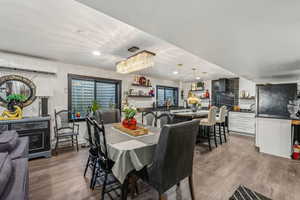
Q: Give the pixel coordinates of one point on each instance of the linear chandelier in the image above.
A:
(139, 61)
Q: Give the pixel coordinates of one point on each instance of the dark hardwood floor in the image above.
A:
(216, 174)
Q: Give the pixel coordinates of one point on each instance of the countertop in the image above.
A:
(276, 117)
(243, 111)
(25, 119)
(148, 109)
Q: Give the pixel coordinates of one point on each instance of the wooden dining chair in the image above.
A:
(173, 158)
(103, 173)
(64, 129)
(93, 154)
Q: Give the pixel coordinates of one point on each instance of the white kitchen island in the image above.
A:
(273, 136)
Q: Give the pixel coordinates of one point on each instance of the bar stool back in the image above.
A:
(221, 122)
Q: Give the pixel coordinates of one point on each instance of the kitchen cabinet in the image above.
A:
(273, 136)
(242, 122)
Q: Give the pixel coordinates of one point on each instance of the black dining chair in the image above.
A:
(65, 130)
(103, 173)
(173, 158)
(108, 116)
(163, 119)
(93, 154)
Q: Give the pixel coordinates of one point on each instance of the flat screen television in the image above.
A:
(272, 100)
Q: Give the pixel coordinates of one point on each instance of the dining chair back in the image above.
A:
(65, 128)
(163, 119)
(222, 114)
(173, 158)
(212, 115)
(150, 118)
(108, 116)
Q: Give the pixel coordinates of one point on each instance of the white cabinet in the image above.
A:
(273, 136)
(242, 122)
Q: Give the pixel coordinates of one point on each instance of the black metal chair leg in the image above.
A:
(72, 141)
(220, 133)
(215, 136)
(86, 166)
(224, 132)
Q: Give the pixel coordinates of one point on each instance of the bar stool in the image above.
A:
(221, 120)
(295, 132)
(209, 123)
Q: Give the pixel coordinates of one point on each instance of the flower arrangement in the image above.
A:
(129, 121)
(15, 100)
(195, 102)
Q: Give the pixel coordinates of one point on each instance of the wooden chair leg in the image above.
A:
(224, 132)
(191, 187)
(93, 175)
(220, 133)
(206, 129)
(87, 166)
(215, 136)
(162, 197)
(125, 189)
(56, 145)
(77, 143)
(104, 186)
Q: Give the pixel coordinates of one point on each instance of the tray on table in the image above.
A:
(137, 132)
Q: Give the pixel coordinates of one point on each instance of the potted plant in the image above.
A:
(129, 121)
(15, 100)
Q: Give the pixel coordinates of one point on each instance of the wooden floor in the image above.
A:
(216, 174)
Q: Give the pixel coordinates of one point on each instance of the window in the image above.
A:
(165, 93)
(84, 90)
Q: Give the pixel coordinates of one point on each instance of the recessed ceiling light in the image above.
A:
(198, 78)
(96, 53)
(175, 72)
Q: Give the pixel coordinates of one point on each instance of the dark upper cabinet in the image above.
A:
(221, 85)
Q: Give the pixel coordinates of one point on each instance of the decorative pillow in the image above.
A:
(5, 171)
(8, 141)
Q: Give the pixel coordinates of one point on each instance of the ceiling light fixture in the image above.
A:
(198, 78)
(96, 53)
(175, 72)
(139, 61)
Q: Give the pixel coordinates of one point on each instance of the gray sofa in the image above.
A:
(13, 166)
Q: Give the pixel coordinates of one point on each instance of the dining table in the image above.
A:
(130, 153)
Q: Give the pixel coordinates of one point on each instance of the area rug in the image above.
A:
(243, 193)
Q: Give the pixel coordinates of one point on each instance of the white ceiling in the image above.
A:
(69, 31)
(257, 39)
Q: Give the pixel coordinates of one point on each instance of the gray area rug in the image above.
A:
(243, 193)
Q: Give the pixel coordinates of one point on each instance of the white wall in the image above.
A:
(58, 84)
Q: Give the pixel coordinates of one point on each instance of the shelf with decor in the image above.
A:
(139, 85)
(143, 96)
(247, 98)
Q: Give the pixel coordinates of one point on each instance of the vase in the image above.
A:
(130, 123)
(194, 108)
